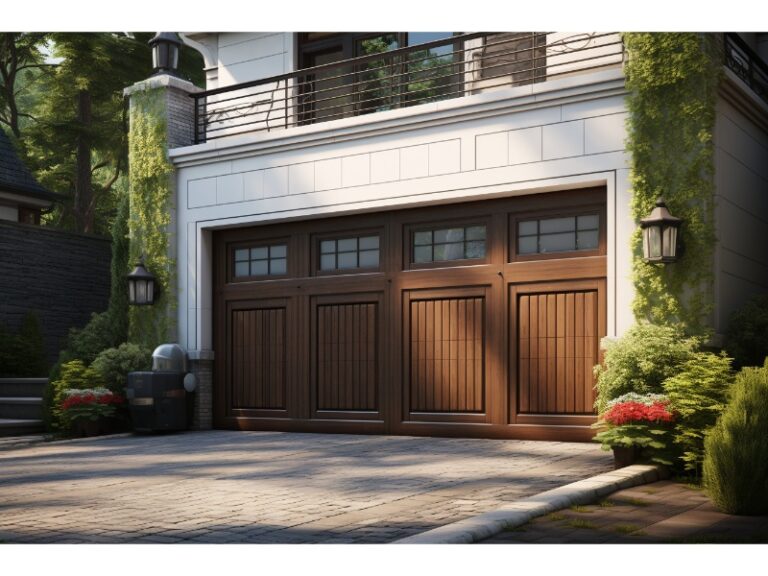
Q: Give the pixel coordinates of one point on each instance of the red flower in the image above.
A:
(89, 398)
(627, 412)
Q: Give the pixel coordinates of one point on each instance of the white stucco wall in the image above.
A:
(741, 176)
(555, 135)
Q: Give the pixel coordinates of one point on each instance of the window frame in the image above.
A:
(574, 211)
(262, 243)
(316, 255)
(409, 234)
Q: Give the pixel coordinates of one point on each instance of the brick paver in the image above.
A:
(661, 512)
(270, 487)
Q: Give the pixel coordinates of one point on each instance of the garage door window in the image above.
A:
(349, 253)
(565, 234)
(444, 244)
(261, 261)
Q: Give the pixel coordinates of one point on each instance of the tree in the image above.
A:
(21, 61)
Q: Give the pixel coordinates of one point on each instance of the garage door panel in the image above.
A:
(557, 342)
(446, 340)
(346, 355)
(258, 363)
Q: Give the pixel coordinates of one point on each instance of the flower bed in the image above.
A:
(90, 411)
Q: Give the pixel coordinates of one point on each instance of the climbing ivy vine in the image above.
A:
(150, 174)
(672, 80)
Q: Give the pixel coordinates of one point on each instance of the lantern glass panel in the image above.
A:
(150, 291)
(141, 291)
(670, 241)
(132, 291)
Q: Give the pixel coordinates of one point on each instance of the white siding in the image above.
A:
(741, 165)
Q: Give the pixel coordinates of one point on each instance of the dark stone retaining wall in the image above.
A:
(61, 275)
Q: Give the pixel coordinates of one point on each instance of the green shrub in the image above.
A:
(113, 364)
(640, 361)
(698, 395)
(736, 461)
(747, 335)
(22, 355)
(75, 375)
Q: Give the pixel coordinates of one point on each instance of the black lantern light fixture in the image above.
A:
(660, 235)
(165, 52)
(141, 285)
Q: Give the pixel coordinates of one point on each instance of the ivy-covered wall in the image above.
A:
(672, 80)
(151, 200)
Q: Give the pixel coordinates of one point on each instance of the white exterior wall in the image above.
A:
(741, 177)
(562, 134)
(247, 56)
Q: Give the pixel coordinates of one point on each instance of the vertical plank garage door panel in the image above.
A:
(257, 370)
(558, 337)
(346, 364)
(447, 355)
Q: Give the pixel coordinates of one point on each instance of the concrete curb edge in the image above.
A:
(522, 511)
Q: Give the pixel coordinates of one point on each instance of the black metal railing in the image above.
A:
(747, 65)
(439, 70)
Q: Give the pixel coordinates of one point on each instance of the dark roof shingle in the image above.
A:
(15, 176)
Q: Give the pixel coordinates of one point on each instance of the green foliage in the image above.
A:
(736, 462)
(22, 355)
(640, 361)
(118, 296)
(672, 79)
(698, 395)
(747, 336)
(73, 375)
(653, 439)
(113, 364)
(151, 197)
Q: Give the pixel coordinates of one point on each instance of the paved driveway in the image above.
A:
(270, 487)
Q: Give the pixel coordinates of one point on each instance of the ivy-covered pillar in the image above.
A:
(161, 118)
(672, 81)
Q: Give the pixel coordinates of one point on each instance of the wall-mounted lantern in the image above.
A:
(141, 285)
(660, 234)
(165, 52)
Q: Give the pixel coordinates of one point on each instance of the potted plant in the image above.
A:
(637, 427)
(90, 411)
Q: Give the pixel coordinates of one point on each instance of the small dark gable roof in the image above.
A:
(14, 175)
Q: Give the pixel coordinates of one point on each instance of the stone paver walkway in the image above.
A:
(661, 512)
(270, 487)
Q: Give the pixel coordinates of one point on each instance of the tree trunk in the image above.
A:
(83, 184)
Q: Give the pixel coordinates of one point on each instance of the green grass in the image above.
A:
(581, 509)
(555, 517)
(523, 528)
(722, 538)
(626, 528)
(606, 503)
(579, 523)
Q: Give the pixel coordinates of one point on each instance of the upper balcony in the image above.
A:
(387, 79)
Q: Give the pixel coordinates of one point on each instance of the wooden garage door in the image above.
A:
(479, 319)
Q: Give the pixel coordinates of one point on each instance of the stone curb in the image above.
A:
(523, 511)
(6, 444)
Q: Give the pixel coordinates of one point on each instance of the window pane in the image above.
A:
(422, 254)
(557, 225)
(261, 253)
(587, 240)
(279, 251)
(528, 245)
(259, 267)
(327, 246)
(241, 255)
(369, 242)
(369, 259)
(476, 233)
(528, 228)
(241, 269)
(347, 260)
(449, 235)
(422, 238)
(476, 249)
(347, 245)
(449, 251)
(328, 262)
(277, 266)
(589, 222)
(557, 242)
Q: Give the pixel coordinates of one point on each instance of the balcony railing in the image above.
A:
(449, 68)
(747, 65)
